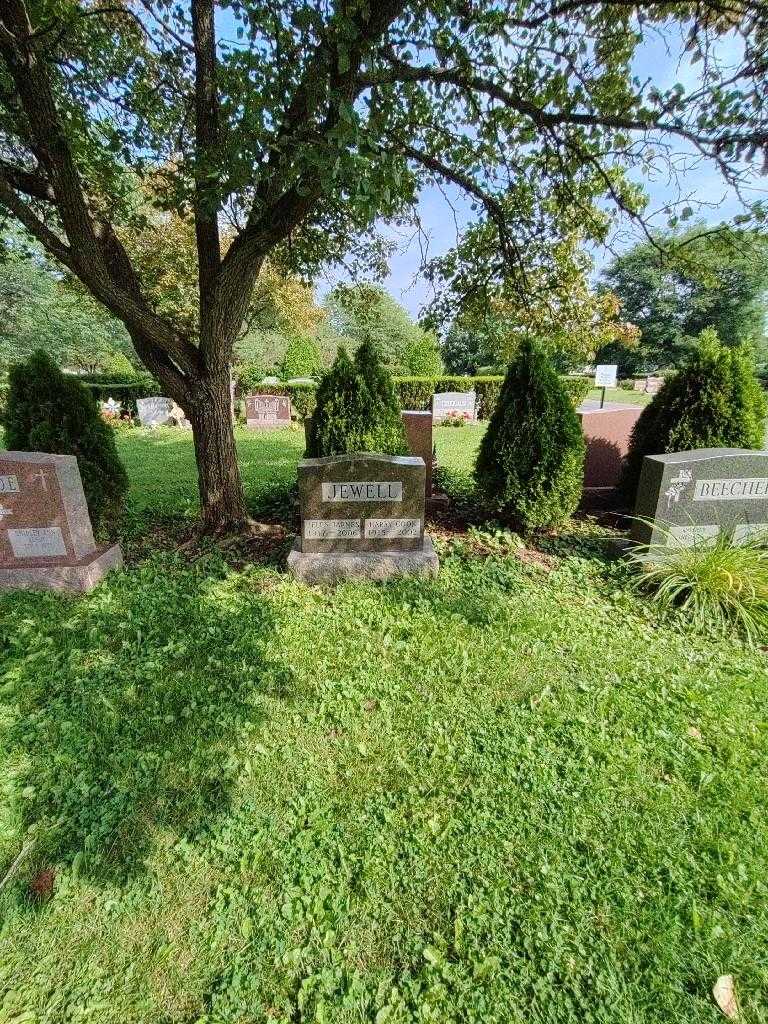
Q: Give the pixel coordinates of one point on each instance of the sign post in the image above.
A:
(605, 377)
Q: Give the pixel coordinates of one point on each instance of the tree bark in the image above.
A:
(221, 489)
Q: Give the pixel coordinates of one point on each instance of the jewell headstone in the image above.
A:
(362, 516)
(691, 497)
(262, 411)
(46, 538)
(159, 411)
(453, 405)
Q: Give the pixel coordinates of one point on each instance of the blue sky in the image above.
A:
(699, 182)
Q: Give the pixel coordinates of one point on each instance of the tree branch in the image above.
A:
(206, 141)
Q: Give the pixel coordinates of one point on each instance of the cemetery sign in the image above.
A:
(691, 497)
(46, 538)
(362, 515)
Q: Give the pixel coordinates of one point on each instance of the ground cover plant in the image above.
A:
(512, 794)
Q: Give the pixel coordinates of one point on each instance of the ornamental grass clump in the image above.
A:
(719, 585)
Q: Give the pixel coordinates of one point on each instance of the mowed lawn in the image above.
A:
(513, 794)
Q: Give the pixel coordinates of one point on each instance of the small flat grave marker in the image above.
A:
(448, 404)
(264, 411)
(362, 516)
(696, 495)
(46, 538)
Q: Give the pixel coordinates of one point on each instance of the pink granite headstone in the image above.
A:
(46, 537)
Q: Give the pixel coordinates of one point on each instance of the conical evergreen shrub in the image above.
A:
(47, 411)
(713, 401)
(530, 466)
(357, 409)
(385, 431)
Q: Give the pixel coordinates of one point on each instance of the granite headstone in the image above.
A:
(453, 404)
(607, 431)
(159, 411)
(362, 516)
(263, 411)
(46, 538)
(693, 496)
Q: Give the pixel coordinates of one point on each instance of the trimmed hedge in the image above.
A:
(578, 388)
(416, 392)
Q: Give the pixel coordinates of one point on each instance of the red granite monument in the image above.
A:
(46, 538)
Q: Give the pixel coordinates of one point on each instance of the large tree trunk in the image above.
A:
(221, 488)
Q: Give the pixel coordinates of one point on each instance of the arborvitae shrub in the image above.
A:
(530, 466)
(356, 409)
(302, 358)
(385, 431)
(713, 401)
(47, 411)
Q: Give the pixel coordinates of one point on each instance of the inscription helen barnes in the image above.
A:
(695, 495)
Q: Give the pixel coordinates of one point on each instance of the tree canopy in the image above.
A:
(41, 310)
(676, 286)
(300, 122)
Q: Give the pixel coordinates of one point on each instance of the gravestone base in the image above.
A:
(75, 577)
(336, 567)
(438, 502)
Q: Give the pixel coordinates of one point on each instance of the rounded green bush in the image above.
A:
(357, 409)
(530, 466)
(302, 358)
(713, 401)
(47, 411)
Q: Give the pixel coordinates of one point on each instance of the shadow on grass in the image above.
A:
(126, 710)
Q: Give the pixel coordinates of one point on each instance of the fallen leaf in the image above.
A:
(695, 733)
(724, 995)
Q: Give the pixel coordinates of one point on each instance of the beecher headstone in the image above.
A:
(159, 411)
(695, 495)
(362, 516)
(448, 404)
(46, 538)
(263, 411)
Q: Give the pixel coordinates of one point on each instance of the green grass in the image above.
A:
(513, 794)
(621, 395)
